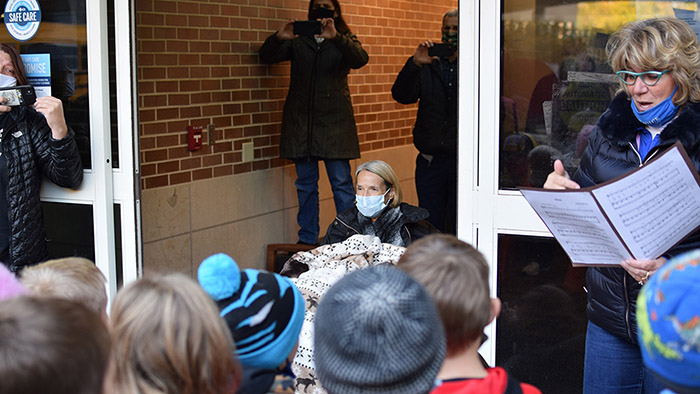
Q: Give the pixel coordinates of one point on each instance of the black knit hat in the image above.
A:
(377, 331)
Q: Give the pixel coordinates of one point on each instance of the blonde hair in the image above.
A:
(384, 171)
(72, 278)
(168, 338)
(457, 277)
(659, 44)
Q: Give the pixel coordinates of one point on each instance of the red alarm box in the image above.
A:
(194, 138)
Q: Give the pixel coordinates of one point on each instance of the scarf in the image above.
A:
(387, 226)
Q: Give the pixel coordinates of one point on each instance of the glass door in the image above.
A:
(72, 56)
(540, 82)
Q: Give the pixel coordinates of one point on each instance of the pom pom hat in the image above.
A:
(668, 317)
(263, 310)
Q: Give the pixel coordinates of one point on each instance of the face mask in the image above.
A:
(7, 81)
(321, 13)
(370, 206)
(450, 38)
(658, 115)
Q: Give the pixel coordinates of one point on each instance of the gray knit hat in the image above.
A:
(377, 331)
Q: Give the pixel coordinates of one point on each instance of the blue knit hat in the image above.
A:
(263, 310)
(668, 318)
(377, 331)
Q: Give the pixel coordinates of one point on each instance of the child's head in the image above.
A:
(457, 277)
(377, 331)
(169, 338)
(252, 303)
(72, 278)
(668, 320)
(51, 346)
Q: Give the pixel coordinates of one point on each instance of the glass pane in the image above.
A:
(63, 35)
(69, 230)
(541, 331)
(555, 80)
(112, 85)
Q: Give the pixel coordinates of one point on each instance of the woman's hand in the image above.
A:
(421, 57)
(52, 109)
(642, 270)
(328, 26)
(559, 178)
(286, 31)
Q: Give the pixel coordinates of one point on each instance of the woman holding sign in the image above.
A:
(658, 64)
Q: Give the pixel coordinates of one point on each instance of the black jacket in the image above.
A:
(611, 152)
(30, 152)
(435, 131)
(318, 119)
(413, 226)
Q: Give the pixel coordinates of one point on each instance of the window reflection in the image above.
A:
(555, 81)
(540, 336)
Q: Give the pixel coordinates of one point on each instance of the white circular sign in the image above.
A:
(22, 18)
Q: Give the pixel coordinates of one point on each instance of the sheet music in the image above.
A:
(575, 220)
(655, 207)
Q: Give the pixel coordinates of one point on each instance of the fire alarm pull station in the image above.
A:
(194, 138)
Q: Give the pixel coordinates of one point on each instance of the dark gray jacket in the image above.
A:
(30, 152)
(611, 152)
(318, 119)
(435, 131)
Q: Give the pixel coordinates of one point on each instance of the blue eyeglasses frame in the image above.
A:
(658, 75)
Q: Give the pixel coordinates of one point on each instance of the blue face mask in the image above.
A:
(370, 206)
(658, 115)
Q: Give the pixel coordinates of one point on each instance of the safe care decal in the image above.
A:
(22, 18)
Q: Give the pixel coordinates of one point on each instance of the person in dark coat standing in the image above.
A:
(318, 122)
(378, 210)
(432, 82)
(34, 142)
(658, 63)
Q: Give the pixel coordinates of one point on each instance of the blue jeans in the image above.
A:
(307, 191)
(436, 186)
(614, 366)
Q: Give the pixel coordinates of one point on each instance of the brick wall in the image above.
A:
(198, 64)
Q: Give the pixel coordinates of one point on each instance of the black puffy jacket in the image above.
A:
(318, 119)
(611, 152)
(30, 152)
(414, 225)
(435, 131)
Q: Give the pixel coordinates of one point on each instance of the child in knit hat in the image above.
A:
(264, 312)
(668, 321)
(457, 277)
(377, 331)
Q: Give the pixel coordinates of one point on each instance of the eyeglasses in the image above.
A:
(650, 78)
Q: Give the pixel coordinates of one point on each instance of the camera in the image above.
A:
(19, 95)
(441, 50)
(307, 28)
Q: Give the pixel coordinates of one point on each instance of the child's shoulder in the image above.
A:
(496, 382)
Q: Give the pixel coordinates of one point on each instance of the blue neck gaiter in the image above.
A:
(658, 115)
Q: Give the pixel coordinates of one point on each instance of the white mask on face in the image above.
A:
(7, 81)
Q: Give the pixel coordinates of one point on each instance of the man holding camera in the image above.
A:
(429, 77)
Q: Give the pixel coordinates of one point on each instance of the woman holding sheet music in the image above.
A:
(658, 63)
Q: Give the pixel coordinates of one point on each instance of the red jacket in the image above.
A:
(495, 383)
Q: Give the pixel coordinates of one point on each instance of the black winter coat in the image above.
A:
(30, 152)
(318, 119)
(413, 226)
(435, 131)
(611, 152)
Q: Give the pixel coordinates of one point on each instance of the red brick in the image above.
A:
(157, 181)
(168, 166)
(223, 170)
(204, 173)
(188, 164)
(148, 170)
(155, 155)
(241, 168)
(182, 177)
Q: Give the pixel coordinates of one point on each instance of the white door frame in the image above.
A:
(103, 186)
(484, 211)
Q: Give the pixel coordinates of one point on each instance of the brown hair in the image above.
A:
(169, 338)
(72, 278)
(20, 73)
(457, 277)
(50, 345)
(659, 44)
